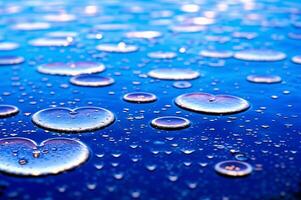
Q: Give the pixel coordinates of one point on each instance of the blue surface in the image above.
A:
(268, 133)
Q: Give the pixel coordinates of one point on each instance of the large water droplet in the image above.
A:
(264, 79)
(8, 110)
(117, 48)
(173, 74)
(11, 60)
(260, 55)
(55, 155)
(91, 80)
(81, 119)
(71, 69)
(211, 104)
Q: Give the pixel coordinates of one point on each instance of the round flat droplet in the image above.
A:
(216, 53)
(62, 34)
(71, 69)
(140, 97)
(83, 119)
(51, 42)
(34, 26)
(8, 110)
(297, 59)
(23, 157)
(173, 74)
(181, 84)
(64, 17)
(111, 27)
(143, 34)
(260, 55)
(187, 28)
(162, 55)
(117, 48)
(233, 168)
(8, 46)
(264, 79)
(202, 21)
(212, 104)
(11, 60)
(170, 123)
(91, 80)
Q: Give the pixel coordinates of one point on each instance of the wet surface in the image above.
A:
(205, 102)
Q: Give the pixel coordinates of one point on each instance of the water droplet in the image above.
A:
(33, 26)
(182, 84)
(233, 168)
(143, 34)
(8, 46)
(140, 97)
(83, 119)
(51, 42)
(260, 55)
(162, 55)
(211, 104)
(297, 59)
(117, 48)
(8, 110)
(68, 155)
(173, 74)
(216, 53)
(71, 69)
(264, 79)
(170, 122)
(91, 80)
(11, 60)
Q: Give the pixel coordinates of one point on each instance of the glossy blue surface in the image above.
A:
(131, 159)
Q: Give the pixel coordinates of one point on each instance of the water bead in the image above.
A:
(162, 55)
(170, 123)
(296, 59)
(260, 55)
(64, 17)
(190, 8)
(51, 42)
(11, 60)
(173, 74)
(71, 69)
(202, 21)
(111, 27)
(24, 157)
(117, 48)
(264, 79)
(181, 84)
(62, 34)
(140, 97)
(211, 104)
(8, 46)
(143, 34)
(233, 168)
(83, 119)
(216, 53)
(91, 80)
(8, 110)
(187, 28)
(33, 26)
